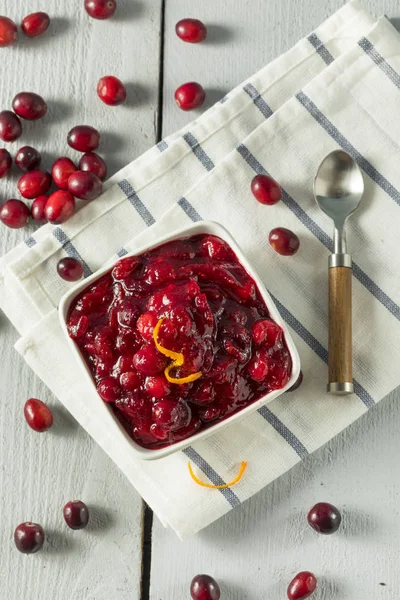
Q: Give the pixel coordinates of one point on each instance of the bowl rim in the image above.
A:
(115, 427)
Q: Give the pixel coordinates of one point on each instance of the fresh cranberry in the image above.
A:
(70, 269)
(34, 183)
(109, 390)
(38, 416)
(10, 126)
(37, 208)
(8, 32)
(94, 163)
(266, 190)
(189, 95)
(302, 586)
(149, 361)
(111, 90)
(157, 386)
(171, 414)
(61, 171)
(83, 138)
(266, 332)
(324, 518)
(85, 185)
(29, 537)
(284, 241)
(28, 159)
(29, 106)
(146, 323)
(35, 24)
(204, 587)
(5, 162)
(14, 214)
(259, 366)
(191, 30)
(297, 384)
(100, 9)
(76, 514)
(59, 207)
(133, 406)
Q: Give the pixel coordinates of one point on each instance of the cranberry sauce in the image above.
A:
(213, 314)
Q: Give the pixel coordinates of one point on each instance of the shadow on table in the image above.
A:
(213, 96)
(64, 423)
(101, 519)
(218, 34)
(129, 9)
(57, 542)
(395, 22)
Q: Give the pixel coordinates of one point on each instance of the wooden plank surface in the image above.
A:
(256, 549)
(40, 472)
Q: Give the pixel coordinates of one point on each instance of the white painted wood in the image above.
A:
(40, 472)
(255, 550)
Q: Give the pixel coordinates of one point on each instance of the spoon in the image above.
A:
(338, 188)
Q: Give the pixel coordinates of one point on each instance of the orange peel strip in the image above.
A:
(176, 356)
(181, 380)
(218, 487)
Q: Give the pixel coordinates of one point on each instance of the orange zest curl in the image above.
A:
(178, 360)
(218, 487)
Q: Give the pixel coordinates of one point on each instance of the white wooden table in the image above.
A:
(256, 549)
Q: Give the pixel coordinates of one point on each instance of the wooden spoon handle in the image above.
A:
(340, 331)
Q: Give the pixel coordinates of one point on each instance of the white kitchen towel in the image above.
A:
(339, 87)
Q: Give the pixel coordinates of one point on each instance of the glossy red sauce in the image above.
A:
(213, 314)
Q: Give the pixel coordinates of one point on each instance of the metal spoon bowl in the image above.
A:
(338, 189)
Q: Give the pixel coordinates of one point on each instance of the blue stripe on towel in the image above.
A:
(320, 48)
(258, 100)
(378, 59)
(136, 202)
(198, 151)
(70, 249)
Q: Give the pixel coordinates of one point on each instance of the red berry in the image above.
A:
(61, 171)
(29, 537)
(204, 587)
(284, 241)
(59, 207)
(100, 9)
(8, 32)
(111, 90)
(130, 381)
(190, 95)
(85, 185)
(28, 159)
(266, 190)
(14, 214)
(109, 390)
(302, 586)
(34, 183)
(324, 518)
(76, 514)
(258, 367)
(171, 414)
(10, 126)
(35, 24)
(297, 384)
(83, 138)
(149, 361)
(38, 416)
(266, 333)
(94, 163)
(70, 269)
(191, 30)
(37, 208)
(157, 386)
(5, 162)
(29, 106)
(146, 323)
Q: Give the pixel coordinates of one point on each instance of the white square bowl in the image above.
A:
(105, 411)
